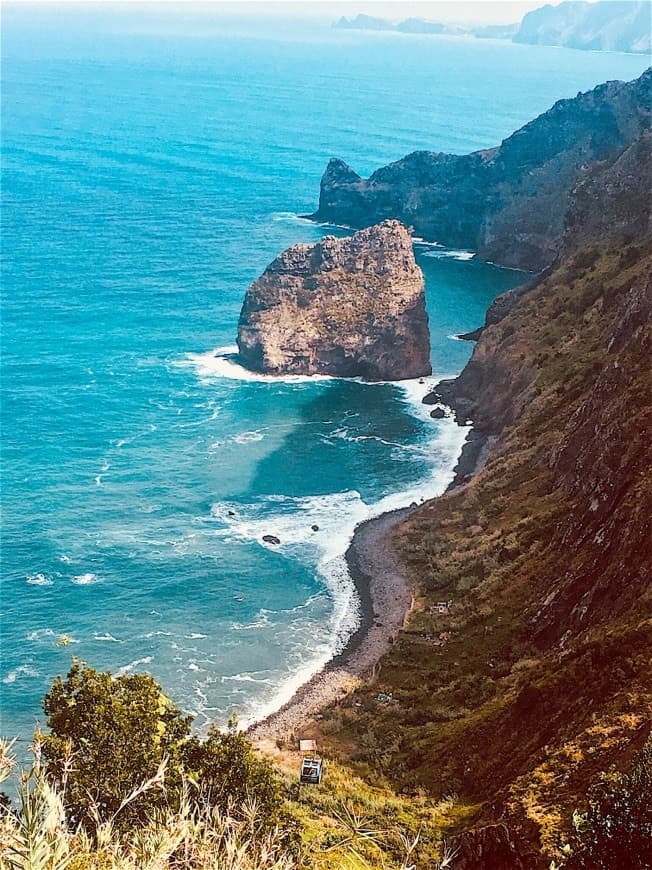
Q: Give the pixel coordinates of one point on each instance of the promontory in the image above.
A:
(348, 307)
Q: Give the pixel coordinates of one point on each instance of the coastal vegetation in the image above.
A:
(221, 805)
(119, 781)
(534, 676)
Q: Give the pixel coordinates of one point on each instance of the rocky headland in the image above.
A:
(508, 203)
(611, 25)
(348, 307)
(523, 672)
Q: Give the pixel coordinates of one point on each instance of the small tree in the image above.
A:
(108, 736)
(616, 830)
(231, 776)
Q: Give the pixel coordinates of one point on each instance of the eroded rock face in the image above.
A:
(507, 203)
(351, 307)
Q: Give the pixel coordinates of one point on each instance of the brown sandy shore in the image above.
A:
(386, 599)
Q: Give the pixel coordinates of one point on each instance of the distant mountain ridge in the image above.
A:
(609, 25)
(423, 25)
(508, 203)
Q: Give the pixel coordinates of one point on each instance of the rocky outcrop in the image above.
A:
(612, 200)
(611, 25)
(488, 848)
(508, 203)
(349, 307)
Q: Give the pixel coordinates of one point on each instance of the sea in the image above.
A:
(155, 158)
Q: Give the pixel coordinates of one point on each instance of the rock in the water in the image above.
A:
(438, 414)
(315, 528)
(271, 539)
(350, 307)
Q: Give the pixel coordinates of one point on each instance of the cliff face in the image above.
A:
(536, 676)
(611, 25)
(351, 307)
(508, 203)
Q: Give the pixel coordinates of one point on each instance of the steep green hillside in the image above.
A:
(538, 675)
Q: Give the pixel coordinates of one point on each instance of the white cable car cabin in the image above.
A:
(311, 770)
(312, 766)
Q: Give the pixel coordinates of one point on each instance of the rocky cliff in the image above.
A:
(611, 25)
(535, 676)
(350, 307)
(509, 203)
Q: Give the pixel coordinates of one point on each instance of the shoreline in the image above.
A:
(386, 599)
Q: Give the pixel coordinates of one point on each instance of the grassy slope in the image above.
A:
(543, 675)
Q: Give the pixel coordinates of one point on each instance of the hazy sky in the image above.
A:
(480, 11)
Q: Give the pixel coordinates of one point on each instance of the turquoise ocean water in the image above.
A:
(153, 163)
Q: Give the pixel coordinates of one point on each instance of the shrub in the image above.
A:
(108, 736)
(616, 830)
(229, 775)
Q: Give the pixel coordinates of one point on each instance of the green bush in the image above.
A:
(107, 736)
(230, 776)
(616, 830)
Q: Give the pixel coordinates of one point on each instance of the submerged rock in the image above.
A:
(350, 307)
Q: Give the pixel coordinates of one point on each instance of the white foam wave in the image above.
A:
(337, 516)
(223, 363)
(318, 529)
(420, 242)
(41, 634)
(126, 669)
(293, 217)
(20, 671)
(39, 580)
(290, 217)
(249, 437)
(85, 579)
(108, 638)
(452, 255)
(244, 678)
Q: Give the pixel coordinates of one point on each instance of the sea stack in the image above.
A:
(348, 307)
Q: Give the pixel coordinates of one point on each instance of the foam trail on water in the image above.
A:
(293, 217)
(85, 579)
(446, 254)
(318, 529)
(223, 363)
(39, 580)
(336, 517)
